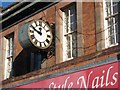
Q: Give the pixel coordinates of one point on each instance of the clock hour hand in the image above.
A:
(39, 32)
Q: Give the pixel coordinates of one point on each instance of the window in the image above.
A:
(111, 22)
(69, 33)
(9, 56)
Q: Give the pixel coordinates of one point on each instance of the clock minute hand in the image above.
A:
(37, 31)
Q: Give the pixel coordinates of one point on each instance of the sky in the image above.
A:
(5, 3)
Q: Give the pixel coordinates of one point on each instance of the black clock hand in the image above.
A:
(40, 31)
(37, 30)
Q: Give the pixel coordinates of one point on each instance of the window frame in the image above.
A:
(8, 73)
(68, 31)
(111, 39)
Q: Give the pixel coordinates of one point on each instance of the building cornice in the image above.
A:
(22, 11)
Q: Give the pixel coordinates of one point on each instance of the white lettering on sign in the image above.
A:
(64, 85)
(81, 81)
(106, 78)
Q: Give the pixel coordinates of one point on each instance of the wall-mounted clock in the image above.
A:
(38, 33)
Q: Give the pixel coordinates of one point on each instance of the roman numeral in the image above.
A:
(44, 43)
(48, 33)
(40, 24)
(32, 27)
(31, 31)
(34, 24)
(48, 36)
(33, 40)
(47, 30)
(36, 41)
(40, 44)
(47, 41)
(43, 25)
(32, 36)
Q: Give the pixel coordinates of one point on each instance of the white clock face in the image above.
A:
(40, 34)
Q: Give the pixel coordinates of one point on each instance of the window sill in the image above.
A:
(112, 45)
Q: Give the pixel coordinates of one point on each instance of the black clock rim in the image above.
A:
(50, 35)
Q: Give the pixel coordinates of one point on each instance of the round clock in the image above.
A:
(40, 34)
(35, 33)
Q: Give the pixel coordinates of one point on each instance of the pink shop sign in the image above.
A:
(105, 76)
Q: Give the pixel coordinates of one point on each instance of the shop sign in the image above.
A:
(105, 76)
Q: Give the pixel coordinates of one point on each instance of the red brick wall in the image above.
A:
(85, 26)
(88, 26)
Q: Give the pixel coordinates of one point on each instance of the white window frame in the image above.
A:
(67, 27)
(109, 43)
(8, 72)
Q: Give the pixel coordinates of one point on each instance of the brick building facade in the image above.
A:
(85, 35)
